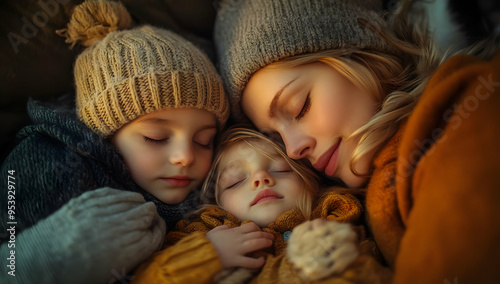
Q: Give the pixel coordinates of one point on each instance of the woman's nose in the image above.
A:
(262, 178)
(298, 145)
(182, 154)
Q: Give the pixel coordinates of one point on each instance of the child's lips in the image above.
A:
(264, 196)
(178, 181)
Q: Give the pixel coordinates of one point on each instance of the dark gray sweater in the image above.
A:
(59, 158)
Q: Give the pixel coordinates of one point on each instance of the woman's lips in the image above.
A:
(178, 181)
(264, 196)
(327, 163)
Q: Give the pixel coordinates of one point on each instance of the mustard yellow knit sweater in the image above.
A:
(433, 202)
(189, 257)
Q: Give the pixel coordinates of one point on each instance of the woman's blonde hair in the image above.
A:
(210, 191)
(395, 79)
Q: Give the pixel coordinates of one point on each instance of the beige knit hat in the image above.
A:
(124, 74)
(251, 34)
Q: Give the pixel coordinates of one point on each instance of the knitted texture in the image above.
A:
(252, 34)
(128, 73)
(333, 249)
(335, 204)
(60, 155)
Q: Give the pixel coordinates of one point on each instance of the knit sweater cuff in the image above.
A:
(191, 260)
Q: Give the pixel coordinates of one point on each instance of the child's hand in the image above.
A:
(320, 248)
(232, 245)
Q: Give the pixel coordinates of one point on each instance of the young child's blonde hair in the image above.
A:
(210, 192)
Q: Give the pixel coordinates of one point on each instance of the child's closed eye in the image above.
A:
(155, 141)
(205, 138)
(205, 144)
(232, 179)
(280, 167)
(235, 184)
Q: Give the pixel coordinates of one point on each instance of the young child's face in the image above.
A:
(168, 152)
(254, 187)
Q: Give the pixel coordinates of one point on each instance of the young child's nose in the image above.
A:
(262, 177)
(182, 157)
(265, 181)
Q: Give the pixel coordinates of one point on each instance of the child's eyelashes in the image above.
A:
(282, 171)
(280, 167)
(155, 141)
(202, 144)
(206, 146)
(233, 185)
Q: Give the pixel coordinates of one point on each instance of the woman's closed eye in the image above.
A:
(305, 107)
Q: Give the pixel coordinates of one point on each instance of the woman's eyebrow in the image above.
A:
(274, 102)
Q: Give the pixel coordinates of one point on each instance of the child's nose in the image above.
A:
(182, 156)
(262, 178)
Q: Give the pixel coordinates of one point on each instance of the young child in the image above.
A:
(256, 196)
(148, 106)
(369, 101)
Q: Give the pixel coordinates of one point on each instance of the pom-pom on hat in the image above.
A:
(127, 72)
(251, 34)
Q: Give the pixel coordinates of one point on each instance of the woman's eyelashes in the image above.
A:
(305, 107)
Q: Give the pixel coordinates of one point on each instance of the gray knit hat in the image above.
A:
(251, 34)
(127, 72)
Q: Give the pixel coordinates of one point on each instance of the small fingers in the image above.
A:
(259, 234)
(250, 262)
(218, 228)
(255, 244)
(248, 227)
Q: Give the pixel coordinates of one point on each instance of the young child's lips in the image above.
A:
(178, 181)
(265, 195)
